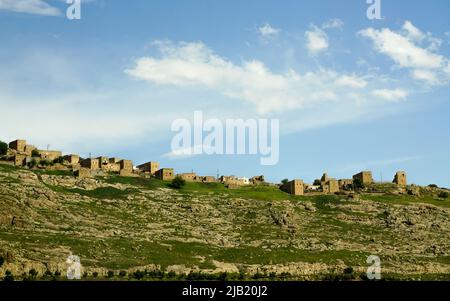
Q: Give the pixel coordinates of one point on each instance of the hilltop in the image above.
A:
(128, 228)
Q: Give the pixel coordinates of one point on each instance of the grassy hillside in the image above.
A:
(134, 228)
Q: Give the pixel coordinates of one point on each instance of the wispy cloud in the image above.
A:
(333, 23)
(316, 40)
(405, 49)
(196, 65)
(267, 31)
(391, 95)
(36, 7)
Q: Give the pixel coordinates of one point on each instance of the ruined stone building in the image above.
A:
(400, 178)
(21, 147)
(165, 174)
(188, 177)
(19, 159)
(126, 165)
(114, 160)
(82, 173)
(324, 179)
(92, 164)
(108, 165)
(245, 181)
(72, 159)
(18, 145)
(345, 184)
(330, 186)
(365, 177)
(256, 180)
(149, 167)
(208, 179)
(295, 187)
(49, 155)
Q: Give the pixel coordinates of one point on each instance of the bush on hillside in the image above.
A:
(443, 195)
(3, 148)
(178, 182)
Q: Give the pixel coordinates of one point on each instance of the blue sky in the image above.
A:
(350, 93)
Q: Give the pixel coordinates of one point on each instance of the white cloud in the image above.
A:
(195, 65)
(351, 81)
(391, 95)
(333, 23)
(413, 33)
(425, 75)
(316, 40)
(404, 50)
(267, 31)
(37, 7)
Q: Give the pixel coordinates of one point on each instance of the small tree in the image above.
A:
(3, 148)
(284, 181)
(33, 163)
(45, 163)
(178, 182)
(35, 153)
(59, 160)
(443, 195)
(358, 184)
(8, 276)
(33, 273)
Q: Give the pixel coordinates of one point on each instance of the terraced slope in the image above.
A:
(128, 228)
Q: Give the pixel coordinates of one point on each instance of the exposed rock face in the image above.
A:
(133, 225)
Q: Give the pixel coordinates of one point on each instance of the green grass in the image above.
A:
(98, 193)
(68, 173)
(260, 192)
(144, 183)
(406, 199)
(8, 168)
(10, 180)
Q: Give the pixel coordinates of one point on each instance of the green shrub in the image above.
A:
(139, 275)
(122, 273)
(8, 276)
(110, 274)
(33, 273)
(358, 184)
(45, 163)
(443, 195)
(33, 163)
(95, 274)
(284, 181)
(35, 153)
(171, 274)
(178, 182)
(223, 276)
(3, 148)
(59, 160)
(433, 186)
